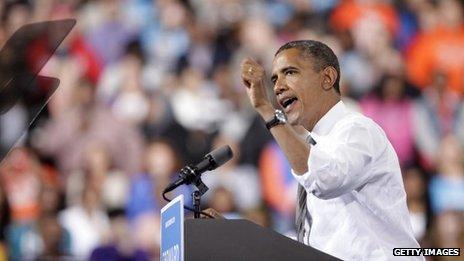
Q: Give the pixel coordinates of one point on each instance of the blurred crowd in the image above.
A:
(147, 86)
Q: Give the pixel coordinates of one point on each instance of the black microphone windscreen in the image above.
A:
(221, 155)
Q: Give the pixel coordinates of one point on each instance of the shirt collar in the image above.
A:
(325, 124)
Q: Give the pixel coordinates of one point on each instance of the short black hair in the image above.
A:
(322, 55)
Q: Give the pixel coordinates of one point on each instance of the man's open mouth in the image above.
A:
(286, 102)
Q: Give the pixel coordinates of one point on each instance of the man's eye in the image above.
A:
(289, 72)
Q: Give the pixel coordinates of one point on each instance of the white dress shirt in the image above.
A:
(356, 198)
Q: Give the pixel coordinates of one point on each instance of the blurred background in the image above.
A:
(148, 86)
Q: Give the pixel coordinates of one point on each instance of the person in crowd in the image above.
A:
(124, 86)
(42, 237)
(121, 245)
(437, 113)
(68, 136)
(21, 175)
(161, 166)
(440, 48)
(87, 221)
(241, 180)
(416, 189)
(278, 187)
(222, 200)
(447, 186)
(144, 201)
(449, 229)
(389, 107)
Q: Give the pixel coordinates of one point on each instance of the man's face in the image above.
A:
(297, 86)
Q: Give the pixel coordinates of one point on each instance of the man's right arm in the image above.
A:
(291, 143)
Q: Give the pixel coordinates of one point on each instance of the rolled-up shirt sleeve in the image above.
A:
(339, 163)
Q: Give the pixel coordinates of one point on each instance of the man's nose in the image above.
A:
(280, 86)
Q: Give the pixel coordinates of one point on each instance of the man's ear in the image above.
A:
(329, 76)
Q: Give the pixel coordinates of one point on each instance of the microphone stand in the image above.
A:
(196, 197)
(191, 171)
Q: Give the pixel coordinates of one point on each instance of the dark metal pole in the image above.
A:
(196, 197)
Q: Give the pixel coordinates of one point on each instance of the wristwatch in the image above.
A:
(279, 118)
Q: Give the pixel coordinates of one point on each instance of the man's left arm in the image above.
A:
(341, 163)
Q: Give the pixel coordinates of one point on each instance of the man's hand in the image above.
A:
(213, 213)
(253, 77)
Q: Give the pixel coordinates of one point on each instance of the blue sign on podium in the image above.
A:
(172, 230)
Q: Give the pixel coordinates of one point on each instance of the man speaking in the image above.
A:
(351, 198)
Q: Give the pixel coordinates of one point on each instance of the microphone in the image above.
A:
(191, 173)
